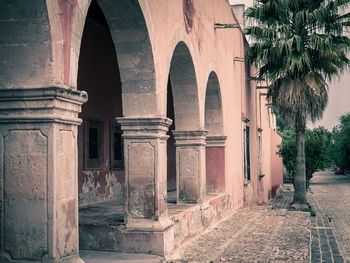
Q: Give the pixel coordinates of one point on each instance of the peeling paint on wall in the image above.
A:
(189, 11)
(92, 191)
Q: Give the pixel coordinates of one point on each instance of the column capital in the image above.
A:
(190, 138)
(144, 127)
(58, 104)
(216, 140)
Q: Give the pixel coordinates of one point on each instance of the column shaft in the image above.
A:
(190, 165)
(38, 174)
(145, 189)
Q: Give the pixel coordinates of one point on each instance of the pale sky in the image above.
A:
(339, 93)
(338, 104)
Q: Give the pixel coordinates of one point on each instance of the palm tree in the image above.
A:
(299, 46)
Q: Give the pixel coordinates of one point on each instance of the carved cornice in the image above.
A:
(190, 138)
(216, 140)
(44, 104)
(144, 127)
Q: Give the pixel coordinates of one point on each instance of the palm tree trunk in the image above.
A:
(300, 199)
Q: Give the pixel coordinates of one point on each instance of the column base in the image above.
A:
(119, 238)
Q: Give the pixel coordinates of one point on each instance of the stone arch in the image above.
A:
(26, 55)
(184, 88)
(132, 43)
(213, 106)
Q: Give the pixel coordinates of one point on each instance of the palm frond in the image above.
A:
(298, 45)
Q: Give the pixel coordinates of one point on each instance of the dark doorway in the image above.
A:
(101, 167)
(171, 149)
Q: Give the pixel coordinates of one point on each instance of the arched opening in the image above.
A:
(215, 150)
(171, 149)
(183, 84)
(213, 107)
(100, 149)
(116, 69)
(186, 143)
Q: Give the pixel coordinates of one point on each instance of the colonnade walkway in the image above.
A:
(270, 233)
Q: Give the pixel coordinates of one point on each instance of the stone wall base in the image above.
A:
(119, 239)
(5, 258)
(189, 221)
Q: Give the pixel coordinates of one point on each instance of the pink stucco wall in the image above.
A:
(276, 163)
(215, 169)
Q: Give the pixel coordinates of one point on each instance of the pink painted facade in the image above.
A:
(142, 110)
(215, 168)
(276, 163)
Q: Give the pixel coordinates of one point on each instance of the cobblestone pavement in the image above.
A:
(330, 195)
(257, 234)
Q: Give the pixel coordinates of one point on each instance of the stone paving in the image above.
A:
(330, 195)
(256, 234)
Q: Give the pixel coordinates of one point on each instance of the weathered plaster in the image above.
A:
(91, 189)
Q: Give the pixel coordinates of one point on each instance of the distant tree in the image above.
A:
(317, 156)
(341, 142)
(288, 151)
(298, 45)
(317, 148)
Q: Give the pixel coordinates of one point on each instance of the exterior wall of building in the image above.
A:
(154, 41)
(276, 163)
(211, 50)
(215, 169)
(266, 149)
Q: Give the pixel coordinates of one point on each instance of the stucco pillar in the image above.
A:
(190, 165)
(215, 163)
(38, 174)
(145, 188)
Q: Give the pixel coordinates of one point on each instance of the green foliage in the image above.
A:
(317, 145)
(340, 150)
(317, 150)
(288, 150)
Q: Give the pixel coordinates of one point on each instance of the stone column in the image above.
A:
(38, 174)
(215, 163)
(145, 189)
(190, 165)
